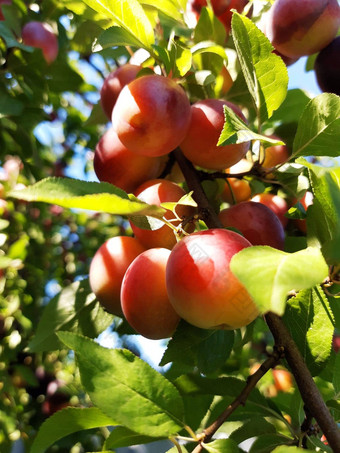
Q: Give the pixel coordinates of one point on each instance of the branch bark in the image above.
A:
(241, 399)
(307, 387)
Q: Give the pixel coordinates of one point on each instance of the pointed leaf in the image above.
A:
(129, 15)
(68, 421)
(73, 193)
(309, 319)
(287, 449)
(167, 7)
(221, 446)
(124, 437)
(264, 72)
(192, 346)
(114, 36)
(74, 309)
(318, 132)
(236, 131)
(127, 388)
(269, 274)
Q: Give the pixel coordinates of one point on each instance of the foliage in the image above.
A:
(54, 217)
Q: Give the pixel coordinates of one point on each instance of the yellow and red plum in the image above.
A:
(116, 164)
(151, 115)
(258, 224)
(200, 143)
(200, 284)
(108, 267)
(144, 296)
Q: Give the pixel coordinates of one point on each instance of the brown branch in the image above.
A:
(307, 387)
(194, 183)
(241, 399)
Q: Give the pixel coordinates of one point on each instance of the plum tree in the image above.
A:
(276, 203)
(41, 36)
(258, 223)
(151, 115)
(200, 284)
(108, 267)
(113, 85)
(327, 67)
(303, 30)
(200, 142)
(115, 164)
(155, 192)
(144, 296)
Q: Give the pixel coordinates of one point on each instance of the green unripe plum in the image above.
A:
(155, 192)
(259, 224)
(303, 27)
(145, 300)
(200, 284)
(327, 68)
(116, 164)
(113, 85)
(200, 143)
(108, 267)
(151, 115)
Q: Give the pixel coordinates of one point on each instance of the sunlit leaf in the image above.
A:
(264, 72)
(318, 132)
(127, 388)
(73, 193)
(269, 274)
(68, 421)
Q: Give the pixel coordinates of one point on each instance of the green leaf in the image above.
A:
(209, 28)
(292, 107)
(310, 321)
(209, 47)
(318, 132)
(68, 421)
(336, 377)
(265, 73)
(9, 106)
(236, 131)
(74, 309)
(124, 437)
(167, 7)
(10, 39)
(114, 36)
(269, 274)
(323, 217)
(266, 442)
(73, 193)
(287, 449)
(129, 15)
(221, 446)
(127, 388)
(252, 428)
(192, 346)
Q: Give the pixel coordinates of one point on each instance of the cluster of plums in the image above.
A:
(171, 272)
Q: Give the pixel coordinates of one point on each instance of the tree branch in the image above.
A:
(252, 380)
(307, 387)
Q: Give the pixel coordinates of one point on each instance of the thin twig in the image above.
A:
(241, 399)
